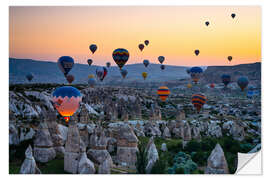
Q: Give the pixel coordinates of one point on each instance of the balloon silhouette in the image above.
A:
(226, 79)
(89, 61)
(93, 48)
(70, 78)
(161, 59)
(65, 64)
(229, 58)
(141, 47)
(146, 42)
(207, 23)
(29, 77)
(162, 66)
(108, 64)
(233, 15)
(242, 82)
(197, 52)
(124, 73)
(146, 62)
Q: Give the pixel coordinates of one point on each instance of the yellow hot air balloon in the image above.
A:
(144, 75)
(189, 85)
(163, 92)
(91, 76)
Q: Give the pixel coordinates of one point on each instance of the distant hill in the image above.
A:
(214, 73)
(48, 72)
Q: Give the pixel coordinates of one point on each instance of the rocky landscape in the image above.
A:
(120, 130)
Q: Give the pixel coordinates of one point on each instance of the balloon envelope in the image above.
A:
(197, 52)
(70, 78)
(101, 73)
(206, 23)
(162, 66)
(233, 15)
(146, 42)
(163, 92)
(226, 79)
(92, 82)
(212, 85)
(146, 62)
(29, 77)
(189, 85)
(144, 75)
(161, 59)
(66, 100)
(198, 100)
(195, 73)
(93, 48)
(229, 58)
(124, 73)
(120, 57)
(65, 64)
(242, 82)
(108, 64)
(141, 46)
(89, 61)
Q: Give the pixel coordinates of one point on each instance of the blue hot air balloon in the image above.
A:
(93, 48)
(146, 62)
(65, 64)
(195, 74)
(242, 82)
(66, 100)
(91, 82)
(29, 77)
(124, 73)
(226, 79)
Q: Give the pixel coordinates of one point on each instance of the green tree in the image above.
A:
(141, 159)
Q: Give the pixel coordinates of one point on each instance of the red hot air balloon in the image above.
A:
(212, 85)
(70, 78)
(141, 46)
(198, 100)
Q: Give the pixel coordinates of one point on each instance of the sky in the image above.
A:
(47, 33)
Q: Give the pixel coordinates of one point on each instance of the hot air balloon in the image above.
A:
(91, 76)
(92, 82)
(146, 62)
(29, 77)
(188, 70)
(212, 85)
(196, 73)
(66, 100)
(144, 75)
(197, 52)
(124, 73)
(120, 56)
(101, 73)
(233, 15)
(141, 46)
(242, 82)
(65, 64)
(161, 59)
(189, 85)
(146, 42)
(93, 48)
(226, 79)
(198, 100)
(207, 23)
(162, 66)
(229, 58)
(70, 78)
(163, 92)
(108, 64)
(89, 61)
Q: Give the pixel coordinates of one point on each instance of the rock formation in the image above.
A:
(152, 155)
(29, 165)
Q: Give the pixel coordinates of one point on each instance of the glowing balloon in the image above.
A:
(146, 62)
(141, 47)
(198, 100)
(65, 64)
(146, 42)
(242, 82)
(70, 78)
(161, 59)
(66, 100)
(89, 61)
(144, 75)
(93, 48)
(163, 92)
(29, 77)
(120, 56)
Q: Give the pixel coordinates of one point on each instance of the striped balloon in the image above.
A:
(198, 100)
(163, 92)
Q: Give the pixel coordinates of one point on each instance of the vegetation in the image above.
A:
(141, 162)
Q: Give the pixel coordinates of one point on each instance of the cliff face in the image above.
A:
(213, 73)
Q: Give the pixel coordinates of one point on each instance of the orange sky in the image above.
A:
(46, 33)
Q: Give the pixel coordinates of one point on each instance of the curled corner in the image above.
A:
(249, 163)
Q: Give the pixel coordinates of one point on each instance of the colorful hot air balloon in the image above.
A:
(163, 92)
(161, 59)
(233, 15)
(230, 58)
(66, 100)
(65, 64)
(124, 73)
(70, 78)
(101, 73)
(146, 42)
(197, 52)
(92, 82)
(91, 76)
(146, 62)
(189, 85)
(141, 46)
(196, 73)
(120, 56)
(198, 100)
(29, 77)
(212, 85)
(207, 23)
(93, 48)
(226, 79)
(89, 61)
(108, 64)
(144, 75)
(162, 66)
(242, 82)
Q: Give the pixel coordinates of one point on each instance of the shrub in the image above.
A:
(141, 159)
(192, 146)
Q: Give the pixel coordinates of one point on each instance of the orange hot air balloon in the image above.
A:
(163, 92)
(189, 85)
(198, 100)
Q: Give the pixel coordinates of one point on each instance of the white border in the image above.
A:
(4, 75)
